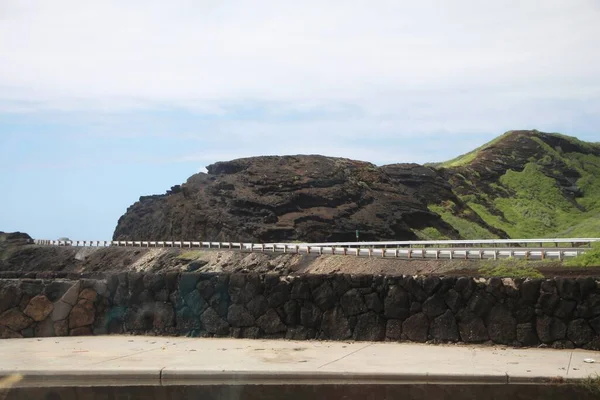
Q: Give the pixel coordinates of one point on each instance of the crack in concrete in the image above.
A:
(569, 367)
(136, 353)
(347, 355)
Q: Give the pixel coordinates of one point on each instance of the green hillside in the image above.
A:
(526, 184)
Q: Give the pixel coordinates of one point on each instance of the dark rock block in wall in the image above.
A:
(139, 319)
(300, 290)
(334, 324)
(206, 288)
(593, 304)
(412, 286)
(495, 287)
(397, 303)
(416, 328)
(324, 297)
(32, 287)
(502, 327)
(291, 313)
(579, 332)
(444, 328)
(56, 289)
(481, 303)
(213, 323)
(369, 326)
(550, 329)
(471, 327)
(164, 315)
(187, 283)
(568, 288)
(340, 283)
(310, 315)
(352, 303)
(186, 320)
(238, 316)
(393, 329)
(586, 286)
(565, 308)
(453, 300)
(373, 302)
(258, 306)
(526, 334)
(271, 322)
(153, 282)
(300, 333)
(547, 302)
(530, 290)
(465, 286)
(195, 302)
(435, 305)
(595, 324)
(220, 303)
(431, 284)
(10, 296)
(278, 295)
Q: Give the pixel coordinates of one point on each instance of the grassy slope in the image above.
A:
(532, 204)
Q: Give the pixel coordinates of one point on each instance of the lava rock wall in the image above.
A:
(561, 312)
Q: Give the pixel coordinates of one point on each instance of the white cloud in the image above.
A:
(205, 55)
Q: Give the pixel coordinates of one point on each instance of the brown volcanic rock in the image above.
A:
(309, 198)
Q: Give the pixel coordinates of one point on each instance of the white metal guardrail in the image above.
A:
(401, 249)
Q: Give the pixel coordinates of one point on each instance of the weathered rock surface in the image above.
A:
(39, 308)
(15, 320)
(309, 198)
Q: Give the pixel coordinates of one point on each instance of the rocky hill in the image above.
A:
(522, 184)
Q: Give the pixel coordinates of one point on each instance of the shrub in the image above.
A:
(591, 258)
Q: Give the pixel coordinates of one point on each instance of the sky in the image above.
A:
(102, 102)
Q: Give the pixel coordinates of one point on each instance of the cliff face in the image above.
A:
(525, 183)
(304, 198)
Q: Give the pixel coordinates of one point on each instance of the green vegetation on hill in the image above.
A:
(543, 191)
(461, 223)
(590, 258)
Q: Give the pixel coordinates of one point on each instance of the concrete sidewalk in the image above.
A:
(143, 360)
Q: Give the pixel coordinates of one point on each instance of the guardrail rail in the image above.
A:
(440, 249)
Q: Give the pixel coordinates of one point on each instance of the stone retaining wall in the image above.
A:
(562, 313)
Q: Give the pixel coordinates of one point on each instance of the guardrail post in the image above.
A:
(297, 249)
(481, 254)
(307, 250)
(437, 254)
(357, 252)
(262, 247)
(409, 252)
(345, 250)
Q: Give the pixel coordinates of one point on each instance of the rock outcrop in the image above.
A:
(522, 184)
(270, 199)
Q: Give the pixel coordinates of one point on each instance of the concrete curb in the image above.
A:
(174, 377)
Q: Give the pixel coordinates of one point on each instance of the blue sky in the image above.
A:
(103, 103)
